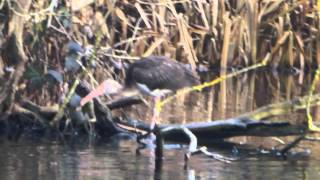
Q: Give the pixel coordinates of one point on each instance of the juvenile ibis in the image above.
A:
(148, 75)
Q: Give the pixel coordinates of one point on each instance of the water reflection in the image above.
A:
(122, 159)
(231, 98)
(118, 160)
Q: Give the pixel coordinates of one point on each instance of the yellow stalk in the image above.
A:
(183, 91)
(143, 15)
(226, 42)
(156, 44)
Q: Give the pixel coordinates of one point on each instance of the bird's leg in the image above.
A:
(156, 113)
(92, 119)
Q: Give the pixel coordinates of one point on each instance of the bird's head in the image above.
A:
(107, 87)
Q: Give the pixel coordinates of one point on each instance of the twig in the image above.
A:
(162, 3)
(284, 150)
(59, 115)
(312, 138)
(36, 116)
(215, 156)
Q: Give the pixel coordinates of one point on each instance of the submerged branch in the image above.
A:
(283, 108)
(193, 144)
(293, 144)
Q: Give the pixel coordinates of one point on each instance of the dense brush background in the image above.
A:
(213, 33)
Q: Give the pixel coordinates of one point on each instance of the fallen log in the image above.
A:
(191, 132)
(220, 129)
(204, 131)
(104, 126)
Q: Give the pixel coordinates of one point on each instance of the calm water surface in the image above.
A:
(124, 159)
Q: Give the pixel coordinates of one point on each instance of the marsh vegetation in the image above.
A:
(40, 40)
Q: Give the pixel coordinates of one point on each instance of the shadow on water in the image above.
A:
(122, 158)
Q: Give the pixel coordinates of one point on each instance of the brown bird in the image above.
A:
(153, 76)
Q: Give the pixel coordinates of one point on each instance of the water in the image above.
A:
(124, 159)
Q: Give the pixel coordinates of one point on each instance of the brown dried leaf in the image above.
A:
(186, 40)
(226, 42)
(318, 49)
(121, 15)
(214, 13)
(290, 49)
(76, 5)
(203, 15)
(156, 44)
(143, 15)
(99, 19)
(272, 6)
(280, 42)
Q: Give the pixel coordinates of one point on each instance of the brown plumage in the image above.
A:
(160, 72)
(147, 74)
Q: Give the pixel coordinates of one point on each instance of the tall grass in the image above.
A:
(219, 33)
(224, 32)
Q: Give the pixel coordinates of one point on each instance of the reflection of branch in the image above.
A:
(312, 138)
(310, 93)
(200, 87)
(193, 145)
(283, 108)
(284, 150)
(215, 156)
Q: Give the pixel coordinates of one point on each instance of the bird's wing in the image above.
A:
(159, 75)
(158, 72)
